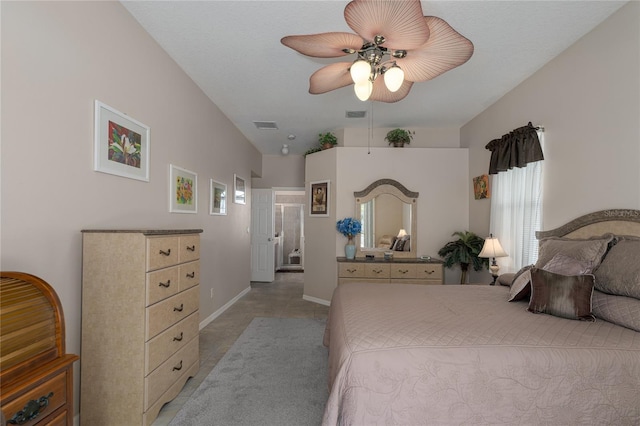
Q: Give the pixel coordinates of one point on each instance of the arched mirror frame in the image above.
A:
(395, 188)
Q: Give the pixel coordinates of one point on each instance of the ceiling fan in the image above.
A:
(393, 39)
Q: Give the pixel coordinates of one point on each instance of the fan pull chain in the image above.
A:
(370, 136)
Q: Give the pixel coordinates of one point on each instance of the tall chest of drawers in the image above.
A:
(140, 301)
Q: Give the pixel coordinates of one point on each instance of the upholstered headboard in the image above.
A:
(615, 221)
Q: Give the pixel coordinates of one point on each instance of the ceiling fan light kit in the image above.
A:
(393, 39)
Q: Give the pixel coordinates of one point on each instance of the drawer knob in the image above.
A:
(351, 271)
(30, 411)
(403, 271)
(430, 272)
(179, 367)
(191, 248)
(180, 308)
(191, 275)
(165, 253)
(377, 271)
(179, 338)
(165, 285)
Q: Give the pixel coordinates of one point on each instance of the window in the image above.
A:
(516, 212)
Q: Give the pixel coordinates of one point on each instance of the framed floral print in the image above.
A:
(121, 144)
(319, 198)
(481, 187)
(217, 198)
(183, 190)
(239, 190)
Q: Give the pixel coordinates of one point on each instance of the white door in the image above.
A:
(262, 245)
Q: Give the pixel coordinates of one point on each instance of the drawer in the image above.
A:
(350, 270)
(162, 284)
(189, 248)
(165, 344)
(167, 312)
(156, 383)
(189, 275)
(377, 270)
(161, 252)
(57, 386)
(431, 271)
(403, 270)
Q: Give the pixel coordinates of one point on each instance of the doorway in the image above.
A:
(289, 230)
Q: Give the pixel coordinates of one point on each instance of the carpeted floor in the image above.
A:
(274, 374)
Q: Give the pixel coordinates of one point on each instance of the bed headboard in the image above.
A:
(615, 221)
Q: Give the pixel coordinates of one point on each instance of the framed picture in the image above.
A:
(319, 198)
(217, 198)
(239, 190)
(481, 187)
(183, 190)
(121, 144)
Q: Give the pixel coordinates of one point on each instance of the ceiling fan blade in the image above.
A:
(329, 78)
(324, 45)
(399, 21)
(380, 92)
(445, 50)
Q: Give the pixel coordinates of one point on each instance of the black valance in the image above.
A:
(515, 149)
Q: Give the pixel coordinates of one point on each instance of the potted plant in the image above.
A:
(399, 137)
(464, 252)
(312, 150)
(327, 140)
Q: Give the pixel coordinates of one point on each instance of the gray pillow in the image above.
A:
(506, 279)
(566, 265)
(565, 296)
(520, 287)
(619, 273)
(624, 311)
(589, 250)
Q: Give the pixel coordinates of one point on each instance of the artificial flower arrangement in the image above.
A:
(349, 227)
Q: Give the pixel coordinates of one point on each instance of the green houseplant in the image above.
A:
(399, 137)
(327, 140)
(464, 252)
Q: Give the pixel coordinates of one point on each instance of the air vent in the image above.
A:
(266, 125)
(356, 114)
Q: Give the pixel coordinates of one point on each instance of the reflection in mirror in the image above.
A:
(388, 214)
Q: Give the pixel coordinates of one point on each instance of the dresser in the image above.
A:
(400, 271)
(36, 374)
(140, 322)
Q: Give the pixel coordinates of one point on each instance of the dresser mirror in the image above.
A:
(388, 213)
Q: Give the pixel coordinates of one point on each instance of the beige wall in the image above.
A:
(280, 171)
(425, 137)
(588, 99)
(57, 58)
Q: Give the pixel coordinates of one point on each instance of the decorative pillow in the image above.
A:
(561, 295)
(399, 246)
(589, 250)
(385, 241)
(520, 288)
(506, 279)
(407, 243)
(619, 272)
(624, 311)
(565, 265)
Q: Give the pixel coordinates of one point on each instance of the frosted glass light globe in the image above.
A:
(393, 78)
(363, 90)
(360, 71)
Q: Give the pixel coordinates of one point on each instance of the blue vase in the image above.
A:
(350, 249)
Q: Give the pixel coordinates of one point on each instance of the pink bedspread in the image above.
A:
(441, 355)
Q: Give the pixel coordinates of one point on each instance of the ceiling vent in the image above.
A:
(356, 114)
(266, 125)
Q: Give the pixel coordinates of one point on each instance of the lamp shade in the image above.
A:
(402, 233)
(393, 78)
(492, 248)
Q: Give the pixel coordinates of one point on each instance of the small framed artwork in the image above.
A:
(481, 187)
(183, 190)
(239, 190)
(121, 144)
(217, 198)
(319, 198)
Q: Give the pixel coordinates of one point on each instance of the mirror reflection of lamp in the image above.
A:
(402, 233)
(492, 249)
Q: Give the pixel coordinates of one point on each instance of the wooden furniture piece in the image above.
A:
(403, 271)
(140, 322)
(36, 375)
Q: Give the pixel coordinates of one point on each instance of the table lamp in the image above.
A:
(492, 249)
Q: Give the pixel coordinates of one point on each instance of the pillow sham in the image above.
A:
(565, 296)
(520, 288)
(624, 311)
(506, 279)
(619, 272)
(589, 250)
(566, 265)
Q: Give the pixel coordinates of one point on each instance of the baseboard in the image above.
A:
(316, 300)
(219, 312)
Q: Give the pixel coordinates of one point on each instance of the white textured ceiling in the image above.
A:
(232, 50)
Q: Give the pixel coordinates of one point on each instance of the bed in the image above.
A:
(402, 354)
